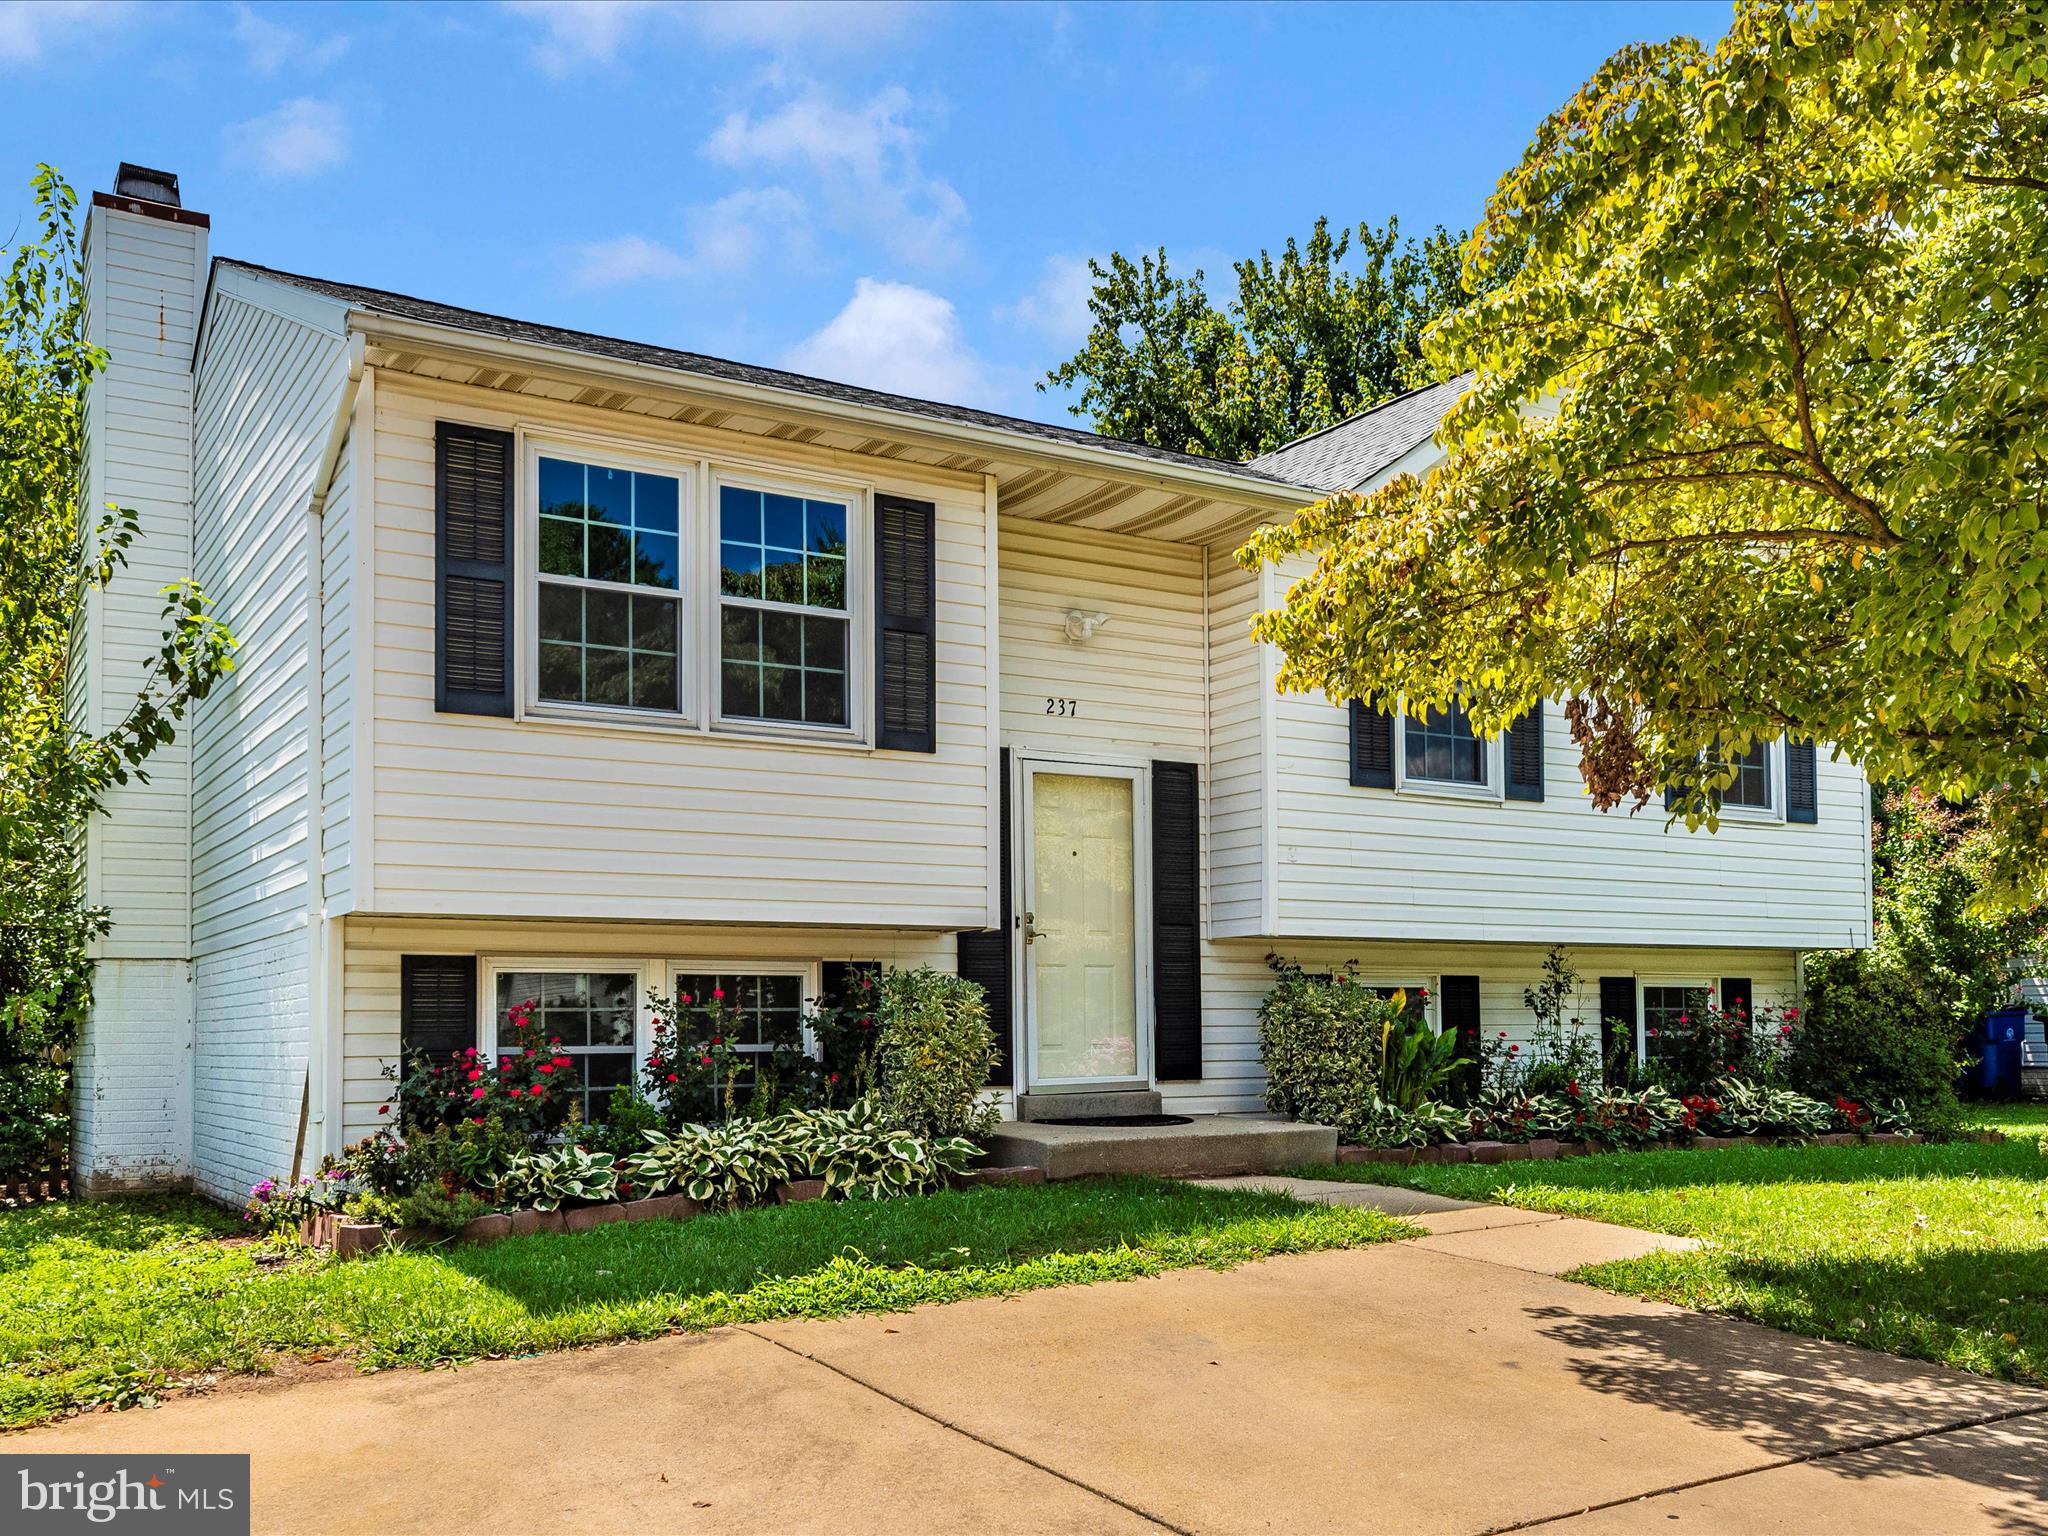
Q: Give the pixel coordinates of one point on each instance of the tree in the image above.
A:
(1758, 441)
(55, 770)
(1307, 341)
(1927, 865)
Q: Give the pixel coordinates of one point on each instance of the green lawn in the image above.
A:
(1937, 1252)
(116, 1302)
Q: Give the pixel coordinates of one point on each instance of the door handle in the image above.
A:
(1031, 932)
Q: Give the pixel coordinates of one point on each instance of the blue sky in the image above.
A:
(901, 195)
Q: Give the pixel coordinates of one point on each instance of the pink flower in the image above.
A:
(703, 1061)
(718, 994)
(469, 1050)
(684, 999)
(672, 1077)
(476, 1093)
(515, 1092)
(475, 1073)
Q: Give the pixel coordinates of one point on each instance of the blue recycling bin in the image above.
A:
(1999, 1043)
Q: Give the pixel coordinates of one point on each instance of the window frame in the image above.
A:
(1704, 985)
(810, 975)
(640, 459)
(859, 612)
(1774, 787)
(491, 967)
(1491, 788)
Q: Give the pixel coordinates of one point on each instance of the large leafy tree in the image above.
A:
(1759, 436)
(56, 769)
(1329, 327)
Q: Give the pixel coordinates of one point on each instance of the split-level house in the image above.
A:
(571, 667)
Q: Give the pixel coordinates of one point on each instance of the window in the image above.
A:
(1752, 786)
(610, 581)
(593, 1014)
(1668, 1010)
(769, 1007)
(785, 624)
(1442, 748)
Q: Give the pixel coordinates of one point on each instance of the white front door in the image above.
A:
(1085, 904)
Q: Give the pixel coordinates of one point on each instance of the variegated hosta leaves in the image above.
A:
(1759, 436)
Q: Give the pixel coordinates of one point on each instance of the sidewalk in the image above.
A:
(1446, 1383)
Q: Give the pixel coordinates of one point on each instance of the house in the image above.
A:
(571, 667)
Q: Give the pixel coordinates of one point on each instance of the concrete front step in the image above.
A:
(1208, 1146)
(1088, 1106)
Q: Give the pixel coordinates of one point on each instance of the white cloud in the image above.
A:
(31, 29)
(865, 160)
(1056, 306)
(305, 136)
(742, 232)
(581, 33)
(896, 337)
(268, 46)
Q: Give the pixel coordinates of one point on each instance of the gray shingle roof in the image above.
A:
(405, 307)
(1343, 457)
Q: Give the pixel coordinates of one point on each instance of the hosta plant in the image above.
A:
(860, 1156)
(721, 1165)
(1743, 1108)
(1427, 1124)
(548, 1180)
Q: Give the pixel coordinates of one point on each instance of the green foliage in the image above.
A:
(1928, 863)
(1322, 1041)
(1755, 444)
(1425, 1125)
(110, 1302)
(55, 771)
(1874, 1033)
(627, 1119)
(935, 1054)
(1307, 341)
(550, 1179)
(32, 1118)
(724, 1166)
(861, 1156)
(1415, 1060)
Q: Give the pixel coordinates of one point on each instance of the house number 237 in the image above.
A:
(1066, 709)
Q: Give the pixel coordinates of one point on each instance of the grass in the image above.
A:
(1935, 1252)
(114, 1303)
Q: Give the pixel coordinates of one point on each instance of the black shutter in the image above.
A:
(985, 956)
(472, 570)
(1802, 785)
(1617, 1021)
(906, 642)
(1735, 995)
(1176, 921)
(1372, 747)
(1525, 755)
(436, 1003)
(1457, 1012)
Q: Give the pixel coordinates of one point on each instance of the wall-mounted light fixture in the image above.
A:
(1081, 626)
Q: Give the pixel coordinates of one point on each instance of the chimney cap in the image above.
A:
(139, 181)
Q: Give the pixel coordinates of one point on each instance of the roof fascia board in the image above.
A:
(948, 437)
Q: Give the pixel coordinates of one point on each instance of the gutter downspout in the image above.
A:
(321, 947)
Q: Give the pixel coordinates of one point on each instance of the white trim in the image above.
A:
(1493, 762)
(992, 697)
(858, 614)
(642, 458)
(362, 661)
(1643, 985)
(1137, 773)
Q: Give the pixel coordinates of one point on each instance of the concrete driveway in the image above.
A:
(1450, 1383)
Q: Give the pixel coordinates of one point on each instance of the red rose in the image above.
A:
(703, 1061)
(672, 1077)
(475, 1073)
(383, 1109)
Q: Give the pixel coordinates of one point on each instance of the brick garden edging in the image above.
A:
(1543, 1147)
(349, 1239)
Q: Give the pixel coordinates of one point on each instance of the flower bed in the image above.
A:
(1545, 1147)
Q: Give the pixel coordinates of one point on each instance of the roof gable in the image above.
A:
(1344, 457)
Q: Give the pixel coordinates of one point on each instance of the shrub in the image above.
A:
(547, 1180)
(859, 1155)
(530, 1086)
(848, 1031)
(627, 1119)
(720, 1165)
(1872, 1033)
(935, 1054)
(696, 1072)
(1322, 1040)
(32, 1122)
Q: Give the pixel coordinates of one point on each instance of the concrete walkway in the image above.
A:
(1448, 1383)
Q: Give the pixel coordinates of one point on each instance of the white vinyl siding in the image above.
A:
(483, 816)
(143, 277)
(1238, 692)
(337, 678)
(1396, 865)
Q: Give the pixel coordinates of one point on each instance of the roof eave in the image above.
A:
(378, 326)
